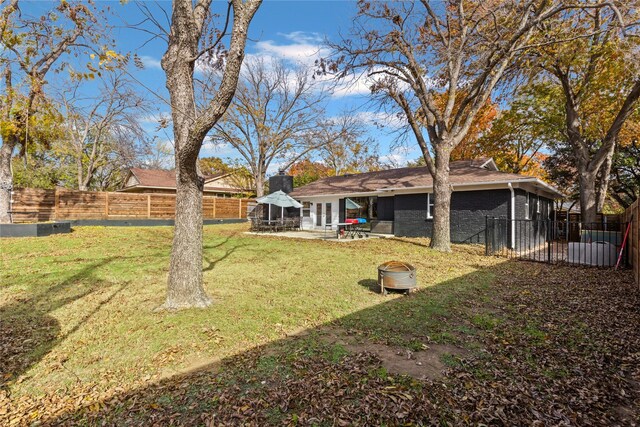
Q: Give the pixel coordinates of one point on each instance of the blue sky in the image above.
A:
(289, 30)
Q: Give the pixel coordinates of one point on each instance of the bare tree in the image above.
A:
(277, 115)
(189, 42)
(438, 62)
(351, 153)
(29, 49)
(103, 132)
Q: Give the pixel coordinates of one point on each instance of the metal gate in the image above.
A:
(577, 243)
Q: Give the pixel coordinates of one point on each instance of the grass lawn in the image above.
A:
(298, 335)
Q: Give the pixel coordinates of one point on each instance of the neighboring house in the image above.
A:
(399, 201)
(161, 181)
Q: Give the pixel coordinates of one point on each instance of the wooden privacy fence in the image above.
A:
(30, 205)
(633, 241)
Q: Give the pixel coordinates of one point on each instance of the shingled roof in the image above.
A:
(462, 172)
(159, 178)
(154, 177)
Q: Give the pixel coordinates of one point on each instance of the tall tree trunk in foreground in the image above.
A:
(440, 236)
(6, 181)
(188, 25)
(260, 180)
(588, 203)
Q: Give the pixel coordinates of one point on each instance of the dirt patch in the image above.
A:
(426, 363)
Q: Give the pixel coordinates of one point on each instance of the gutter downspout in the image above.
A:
(513, 216)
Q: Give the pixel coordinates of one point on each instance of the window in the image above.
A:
(527, 215)
(327, 209)
(306, 209)
(430, 205)
(361, 207)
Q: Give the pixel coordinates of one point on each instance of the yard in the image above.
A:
(299, 335)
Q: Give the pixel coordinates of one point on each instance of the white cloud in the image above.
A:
(303, 36)
(380, 118)
(304, 53)
(300, 47)
(217, 149)
(399, 157)
(156, 118)
(151, 62)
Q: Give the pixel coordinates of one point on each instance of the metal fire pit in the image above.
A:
(396, 275)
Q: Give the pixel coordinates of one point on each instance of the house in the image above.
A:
(400, 201)
(162, 181)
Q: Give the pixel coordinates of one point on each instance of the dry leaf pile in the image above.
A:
(559, 346)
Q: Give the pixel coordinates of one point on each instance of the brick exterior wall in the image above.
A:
(406, 215)
(410, 216)
(468, 212)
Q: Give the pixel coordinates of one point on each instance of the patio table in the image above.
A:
(351, 229)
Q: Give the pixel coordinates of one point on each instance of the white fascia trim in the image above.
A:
(549, 187)
(495, 184)
(426, 189)
(339, 195)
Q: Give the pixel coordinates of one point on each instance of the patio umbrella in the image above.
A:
(279, 198)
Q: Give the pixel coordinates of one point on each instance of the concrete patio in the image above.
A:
(317, 235)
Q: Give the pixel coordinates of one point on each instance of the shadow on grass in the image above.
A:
(228, 252)
(370, 284)
(317, 378)
(296, 379)
(28, 332)
(409, 242)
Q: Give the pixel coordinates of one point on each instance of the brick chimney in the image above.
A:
(281, 182)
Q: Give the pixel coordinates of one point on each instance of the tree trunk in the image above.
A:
(259, 185)
(441, 235)
(6, 181)
(605, 177)
(186, 288)
(588, 203)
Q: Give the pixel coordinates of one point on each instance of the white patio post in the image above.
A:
(269, 212)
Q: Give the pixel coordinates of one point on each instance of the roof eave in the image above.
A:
(549, 188)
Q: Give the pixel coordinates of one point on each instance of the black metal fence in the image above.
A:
(588, 244)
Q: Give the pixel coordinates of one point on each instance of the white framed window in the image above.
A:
(429, 205)
(527, 214)
(306, 209)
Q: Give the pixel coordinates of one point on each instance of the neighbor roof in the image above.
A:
(158, 178)
(462, 173)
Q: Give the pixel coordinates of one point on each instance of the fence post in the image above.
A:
(240, 208)
(486, 234)
(214, 206)
(549, 241)
(148, 205)
(56, 202)
(106, 204)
